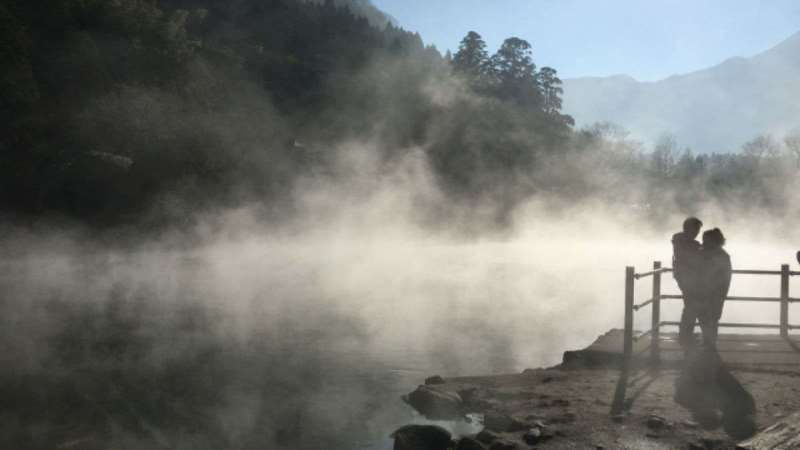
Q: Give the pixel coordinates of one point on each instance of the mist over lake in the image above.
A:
(257, 223)
(308, 340)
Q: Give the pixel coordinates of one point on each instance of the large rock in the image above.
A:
(421, 437)
(784, 435)
(487, 437)
(436, 379)
(436, 404)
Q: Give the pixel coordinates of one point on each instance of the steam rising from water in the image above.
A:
(306, 333)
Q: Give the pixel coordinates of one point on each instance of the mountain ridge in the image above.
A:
(713, 109)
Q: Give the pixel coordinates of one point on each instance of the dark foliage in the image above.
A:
(112, 110)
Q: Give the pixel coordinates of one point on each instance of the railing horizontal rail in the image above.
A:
(764, 272)
(752, 299)
(756, 272)
(735, 271)
(736, 298)
(736, 325)
(642, 305)
(652, 272)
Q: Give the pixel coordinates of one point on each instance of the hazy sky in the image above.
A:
(647, 39)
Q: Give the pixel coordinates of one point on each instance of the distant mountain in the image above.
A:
(716, 109)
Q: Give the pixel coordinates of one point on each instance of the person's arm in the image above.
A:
(727, 273)
(719, 277)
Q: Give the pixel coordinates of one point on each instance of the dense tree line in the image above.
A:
(760, 178)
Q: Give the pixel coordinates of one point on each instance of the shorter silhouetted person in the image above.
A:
(715, 281)
(685, 265)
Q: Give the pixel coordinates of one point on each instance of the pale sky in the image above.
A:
(647, 39)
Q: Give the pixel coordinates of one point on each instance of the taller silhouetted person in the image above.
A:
(685, 266)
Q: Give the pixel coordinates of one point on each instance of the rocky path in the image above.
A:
(587, 403)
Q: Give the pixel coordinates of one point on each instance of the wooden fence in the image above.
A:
(655, 303)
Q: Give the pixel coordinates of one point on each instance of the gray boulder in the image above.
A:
(436, 379)
(487, 437)
(436, 404)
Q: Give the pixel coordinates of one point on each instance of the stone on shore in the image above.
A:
(436, 404)
(436, 379)
(421, 437)
(487, 437)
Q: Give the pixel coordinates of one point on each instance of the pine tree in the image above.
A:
(551, 90)
(514, 73)
(471, 58)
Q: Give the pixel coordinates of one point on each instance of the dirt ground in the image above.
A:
(594, 408)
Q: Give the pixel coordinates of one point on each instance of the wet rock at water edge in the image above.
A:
(538, 434)
(436, 379)
(533, 436)
(435, 404)
(487, 437)
(421, 437)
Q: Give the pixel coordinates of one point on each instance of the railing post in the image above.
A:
(628, 338)
(785, 300)
(655, 335)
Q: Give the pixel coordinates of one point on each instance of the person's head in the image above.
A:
(691, 226)
(713, 238)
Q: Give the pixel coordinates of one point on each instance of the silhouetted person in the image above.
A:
(685, 266)
(715, 282)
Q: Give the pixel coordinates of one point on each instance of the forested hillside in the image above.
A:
(108, 107)
(148, 112)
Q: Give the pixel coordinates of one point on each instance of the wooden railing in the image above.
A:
(655, 303)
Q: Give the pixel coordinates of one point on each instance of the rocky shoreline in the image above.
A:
(587, 402)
